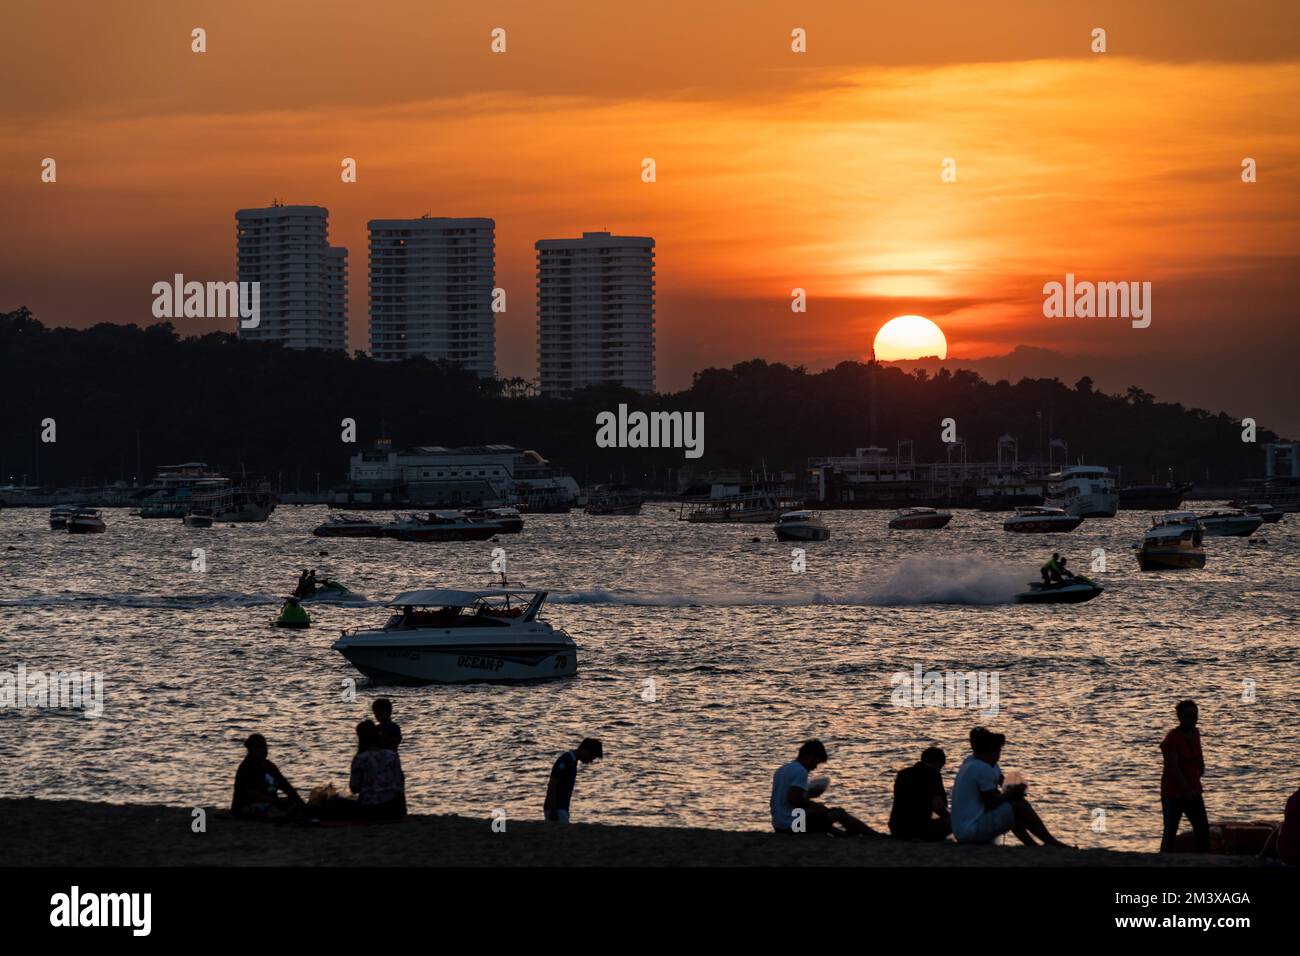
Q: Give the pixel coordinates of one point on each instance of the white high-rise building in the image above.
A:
(303, 281)
(431, 282)
(595, 312)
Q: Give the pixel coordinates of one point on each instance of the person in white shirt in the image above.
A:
(793, 811)
(982, 810)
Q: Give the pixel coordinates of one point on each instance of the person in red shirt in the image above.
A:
(1180, 781)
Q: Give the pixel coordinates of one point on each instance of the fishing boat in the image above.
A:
(919, 519)
(1041, 520)
(613, 500)
(1229, 524)
(1174, 540)
(447, 636)
(349, 526)
(86, 521)
(801, 526)
(440, 526)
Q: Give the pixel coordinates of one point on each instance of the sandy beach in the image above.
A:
(75, 833)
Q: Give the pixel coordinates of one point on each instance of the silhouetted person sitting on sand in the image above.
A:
(981, 809)
(559, 789)
(920, 809)
(258, 785)
(383, 711)
(1180, 780)
(794, 810)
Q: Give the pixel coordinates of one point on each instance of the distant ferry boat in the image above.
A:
(193, 487)
(474, 476)
(1084, 491)
(733, 504)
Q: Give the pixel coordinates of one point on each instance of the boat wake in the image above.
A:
(217, 599)
(923, 580)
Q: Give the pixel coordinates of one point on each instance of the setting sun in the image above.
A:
(910, 337)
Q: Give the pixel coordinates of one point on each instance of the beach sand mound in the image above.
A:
(75, 833)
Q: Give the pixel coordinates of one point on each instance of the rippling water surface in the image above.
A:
(747, 658)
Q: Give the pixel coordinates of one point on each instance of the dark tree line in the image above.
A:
(125, 400)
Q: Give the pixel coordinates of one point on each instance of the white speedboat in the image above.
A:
(1174, 540)
(507, 518)
(453, 637)
(1041, 521)
(1229, 524)
(1270, 513)
(801, 526)
(441, 526)
(1085, 491)
(349, 526)
(86, 521)
(917, 519)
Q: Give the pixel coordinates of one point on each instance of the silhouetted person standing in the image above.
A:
(559, 789)
(1180, 780)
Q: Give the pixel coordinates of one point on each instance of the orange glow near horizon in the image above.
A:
(774, 171)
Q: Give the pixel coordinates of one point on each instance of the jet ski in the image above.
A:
(1073, 590)
(329, 590)
(293, 614)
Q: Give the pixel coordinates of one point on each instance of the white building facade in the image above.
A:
(431, 282)
(595, 313)
(302, 279)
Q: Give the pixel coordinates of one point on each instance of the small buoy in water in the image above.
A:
(754, 539)
(322, 554)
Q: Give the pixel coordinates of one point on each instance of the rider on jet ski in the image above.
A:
(1055, 573)
(306, 584)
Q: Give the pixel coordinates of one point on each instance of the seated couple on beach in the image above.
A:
(376, 780)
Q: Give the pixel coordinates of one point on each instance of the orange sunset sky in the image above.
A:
(776, 170)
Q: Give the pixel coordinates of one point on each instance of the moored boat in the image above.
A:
(1229, 524)
(613, 500)
(801, 526)
(59, 516)
(440, 526)
(1175, 540)
(1271, 514)
(452, 637)
(86, 521)
(919, 519)
(198, 518)
(509, 519)
(1084, 491)
(1167, 496)
(1041, 520)
(349, 526)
